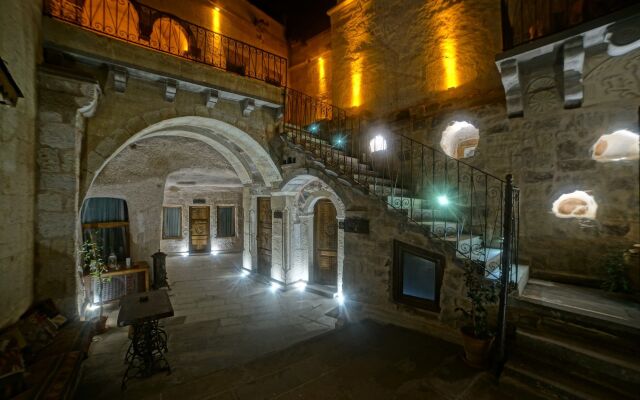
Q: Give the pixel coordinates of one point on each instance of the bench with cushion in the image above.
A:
(41, 354)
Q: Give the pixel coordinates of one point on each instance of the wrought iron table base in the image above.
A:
(145, 354)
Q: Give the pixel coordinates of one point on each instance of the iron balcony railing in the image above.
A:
(448, 198)
(524, 21)
(145, 26)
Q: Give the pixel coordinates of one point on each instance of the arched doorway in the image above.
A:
(325, 244)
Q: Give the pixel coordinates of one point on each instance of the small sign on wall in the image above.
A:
(277, 214)
(199, 201)
(355, 225)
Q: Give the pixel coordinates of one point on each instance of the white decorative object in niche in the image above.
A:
(460, 139)
(578, 204)
(617, 146)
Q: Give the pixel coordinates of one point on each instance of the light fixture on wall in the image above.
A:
(275, 286)
(378, 143)
(443, 200)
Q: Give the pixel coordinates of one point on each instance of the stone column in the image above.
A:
(306, 245)
(64, 104)
(340, 253)
(249, 252)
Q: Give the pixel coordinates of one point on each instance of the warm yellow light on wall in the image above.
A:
(322, 83)
(449, 63)
(356, 82)
(216, 19)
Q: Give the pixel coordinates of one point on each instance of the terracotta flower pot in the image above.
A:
(100, 324)
(476, 350)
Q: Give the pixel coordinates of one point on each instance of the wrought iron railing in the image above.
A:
(448, 198)
(145, 26)
(526, 20)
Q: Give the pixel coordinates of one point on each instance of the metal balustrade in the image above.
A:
(524, 21)
(448, 198)
(145, 26)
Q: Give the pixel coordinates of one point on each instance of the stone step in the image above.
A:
(594, 312)
(372, 179)
(616, 370)
(383, 190)
(555, 381)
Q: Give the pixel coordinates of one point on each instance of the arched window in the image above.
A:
(168, 35)
(113, 17)
(378, 143)
(460, 140)
(578, 204)
(106, 220)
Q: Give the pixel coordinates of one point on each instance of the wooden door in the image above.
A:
(325, 243)
(264, 236)
(199, 230)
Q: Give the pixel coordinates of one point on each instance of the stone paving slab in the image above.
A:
(221, 320)
(359, 361)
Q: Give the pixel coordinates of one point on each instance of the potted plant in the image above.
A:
(92, 256)
(477, 336)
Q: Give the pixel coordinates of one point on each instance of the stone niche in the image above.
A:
(617, 146)
(578, 204)
(460, 139)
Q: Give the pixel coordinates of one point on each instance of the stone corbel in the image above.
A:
(510, 76)
(248, 105)
(170, 90)
(623, 37)
(89, 103)
(120, 79)
(212, 98)
(573, 66)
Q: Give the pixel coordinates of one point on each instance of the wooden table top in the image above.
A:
(134, 311)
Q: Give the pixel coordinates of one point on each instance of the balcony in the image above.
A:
(529, 21)
(144, 26)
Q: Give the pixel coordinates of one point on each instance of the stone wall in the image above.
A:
(214, 197)
(394, 54)
(311, 66)
(19, 46)
(368, 262)
(549, 153)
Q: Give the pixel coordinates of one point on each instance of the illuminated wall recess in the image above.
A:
(578, 204)
(460, 139)
(617, 146)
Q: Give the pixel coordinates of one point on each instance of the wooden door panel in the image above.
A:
(263, 236)
(325, 243)
(199, 230)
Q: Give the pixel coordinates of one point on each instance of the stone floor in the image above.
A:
(359, 361)
(233, 338)
(221, 320)
(585, 301)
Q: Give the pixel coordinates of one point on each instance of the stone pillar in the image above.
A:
(340, 253)
(306, 245)
(64, 103)
(249, 252)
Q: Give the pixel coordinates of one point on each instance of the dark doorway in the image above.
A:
(264, 236)
(325, 240)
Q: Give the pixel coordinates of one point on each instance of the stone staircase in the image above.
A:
(574, 343)
(436, 221)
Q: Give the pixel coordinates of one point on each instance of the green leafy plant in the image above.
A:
(481, 292)
(91, 252)
(617, 279)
